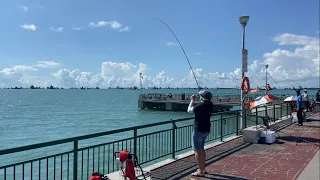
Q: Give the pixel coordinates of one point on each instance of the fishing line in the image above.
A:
(182, 50)
(279, 85)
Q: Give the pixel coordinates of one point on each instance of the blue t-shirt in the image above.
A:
(299, 103)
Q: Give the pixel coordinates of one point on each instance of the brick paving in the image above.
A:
(284, 159)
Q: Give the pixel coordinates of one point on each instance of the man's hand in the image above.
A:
(193, 97)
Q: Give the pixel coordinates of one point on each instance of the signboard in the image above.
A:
(244, 60)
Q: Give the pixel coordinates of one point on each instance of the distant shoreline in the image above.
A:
(136, 88)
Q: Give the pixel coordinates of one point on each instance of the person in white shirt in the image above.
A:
(306, 99)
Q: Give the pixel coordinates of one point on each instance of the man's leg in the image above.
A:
(203, 152)
(299, 115)
(197, 141)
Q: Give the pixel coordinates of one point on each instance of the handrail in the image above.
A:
(94, 135)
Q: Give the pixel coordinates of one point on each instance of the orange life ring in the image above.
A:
(245, 85)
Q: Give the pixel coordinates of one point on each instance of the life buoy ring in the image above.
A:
(245, 85)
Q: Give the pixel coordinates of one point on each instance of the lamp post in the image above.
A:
(266, 65)
(243, 21)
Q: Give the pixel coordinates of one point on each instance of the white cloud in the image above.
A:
(59, 29)
(299, 66)
(111, 24)
(98, 24)
(31, 27)
(125, 29)
(115, 25)
(24, 8)
(47, 64)
(77, 28)
(170, 43)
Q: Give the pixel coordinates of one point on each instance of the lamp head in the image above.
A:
(267, 65)
(244, 20)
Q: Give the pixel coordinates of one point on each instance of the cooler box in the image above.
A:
(267, 137)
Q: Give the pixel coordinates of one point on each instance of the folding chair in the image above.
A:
(266, 123)
(140, 174)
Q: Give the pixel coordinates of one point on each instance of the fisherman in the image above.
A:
(268, 88)
(300, 107)
(306, 99)
(201, 130)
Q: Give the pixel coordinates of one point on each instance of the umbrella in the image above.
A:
(291, 99)
(255, 90)
(262, 100)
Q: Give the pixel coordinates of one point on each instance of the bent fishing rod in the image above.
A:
(182, 50)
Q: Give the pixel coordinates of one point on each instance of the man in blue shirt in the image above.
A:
(300, 107)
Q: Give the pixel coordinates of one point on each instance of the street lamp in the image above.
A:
(243, 21)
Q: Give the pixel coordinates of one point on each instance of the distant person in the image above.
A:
(268, 88)
(318, 96)
(307, 100)
(201, 130)
(300, 107)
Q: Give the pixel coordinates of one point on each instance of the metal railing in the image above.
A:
(186, 96)
(76, 162)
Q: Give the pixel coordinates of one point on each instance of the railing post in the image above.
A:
(75, 159)
(256, 116)
(173, 139)
(237, 125)
(274, 112)
(221, 128)
(245, 118)
(135, 135)
(281, 106)
(266, 113)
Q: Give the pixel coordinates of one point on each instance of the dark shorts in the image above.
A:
(198, 140)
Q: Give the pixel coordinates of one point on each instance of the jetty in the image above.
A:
(165, 150)
(180, 102)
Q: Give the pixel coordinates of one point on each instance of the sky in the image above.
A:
(108, 43)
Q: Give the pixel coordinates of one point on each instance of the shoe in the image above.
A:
(197, 175)
(205, 172)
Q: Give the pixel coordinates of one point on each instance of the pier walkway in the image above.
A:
(285, 159)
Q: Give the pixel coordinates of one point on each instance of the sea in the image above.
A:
(29, 116)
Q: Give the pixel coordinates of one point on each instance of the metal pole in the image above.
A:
(140, 83)
(243, 46)
(266, 78)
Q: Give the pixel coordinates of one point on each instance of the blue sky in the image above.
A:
(209, 31)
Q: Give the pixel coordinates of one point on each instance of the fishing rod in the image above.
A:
(182, 50)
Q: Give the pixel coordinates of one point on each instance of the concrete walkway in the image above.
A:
(285, 159)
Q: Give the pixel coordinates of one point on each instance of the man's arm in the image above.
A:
(191, 107)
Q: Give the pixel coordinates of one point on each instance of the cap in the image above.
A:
(205, 94)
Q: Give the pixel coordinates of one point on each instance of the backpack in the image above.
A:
(98, 176)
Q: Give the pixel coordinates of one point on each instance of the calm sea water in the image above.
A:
(33, 116)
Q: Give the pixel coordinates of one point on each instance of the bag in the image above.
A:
(98, 176)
